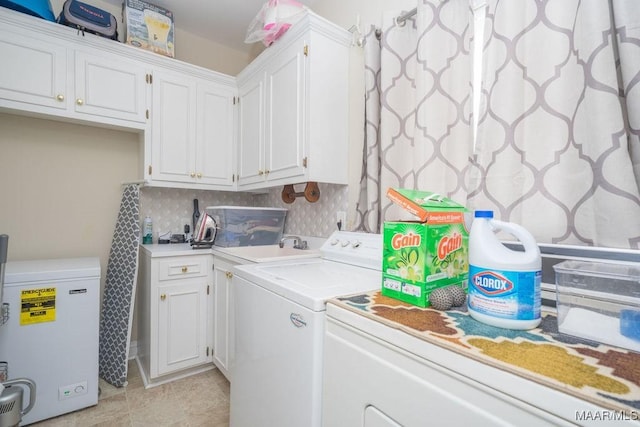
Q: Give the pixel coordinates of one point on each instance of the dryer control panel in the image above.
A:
(354, 248)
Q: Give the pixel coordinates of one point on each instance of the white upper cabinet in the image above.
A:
(192, 140)
(251, 133)
(215, 136)
(110, 86)
(70, 76)
(284, 139)
(33, 72)
(283, 120)
(173, 128)
(294, 108)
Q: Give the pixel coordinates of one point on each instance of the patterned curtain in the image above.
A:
(418, 108)
(368, 206)
(558, 141)
(557, 148)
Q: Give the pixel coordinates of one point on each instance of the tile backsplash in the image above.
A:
(172, 208)
(311, 219)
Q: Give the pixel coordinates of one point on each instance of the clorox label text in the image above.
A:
(491, 283)
(399, 240)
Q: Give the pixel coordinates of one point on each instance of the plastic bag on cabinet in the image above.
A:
(273, 20)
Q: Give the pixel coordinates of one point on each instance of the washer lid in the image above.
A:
(311, 282)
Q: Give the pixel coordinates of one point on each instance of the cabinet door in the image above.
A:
(173, 127)
(33, 71)
(251, 131)
(215, 149)
(221, 349)
(285, 113)
(182, 325)
(110, 86)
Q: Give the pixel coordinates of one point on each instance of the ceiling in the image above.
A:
(222, 21)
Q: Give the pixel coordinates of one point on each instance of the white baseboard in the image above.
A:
(133, 349)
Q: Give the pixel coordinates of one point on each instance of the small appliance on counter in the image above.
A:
(204, 232)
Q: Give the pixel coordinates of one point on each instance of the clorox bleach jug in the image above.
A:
(504, 284)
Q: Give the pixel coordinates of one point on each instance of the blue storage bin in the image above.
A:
(39, 8)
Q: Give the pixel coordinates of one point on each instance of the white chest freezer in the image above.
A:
(51, 336)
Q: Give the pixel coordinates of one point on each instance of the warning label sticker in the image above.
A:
(37, 306)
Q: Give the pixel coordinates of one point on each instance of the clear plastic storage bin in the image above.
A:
(247, 226)
(600, 302)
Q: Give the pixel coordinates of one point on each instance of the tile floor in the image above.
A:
(199, 400)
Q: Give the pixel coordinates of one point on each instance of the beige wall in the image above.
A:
(196, 50)
(61, 186)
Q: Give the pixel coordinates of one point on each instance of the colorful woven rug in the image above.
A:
(607, 376)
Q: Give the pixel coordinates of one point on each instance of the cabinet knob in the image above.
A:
(184, 269)
(260, 172)
(229, 274)
(267, 172)
(199, 175)
(163, 297)
(79, 101)
(60, 97)
(192, 174)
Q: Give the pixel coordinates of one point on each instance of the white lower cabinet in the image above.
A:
(175, 306)
(221, 332)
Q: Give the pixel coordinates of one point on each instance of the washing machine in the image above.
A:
(279, 319)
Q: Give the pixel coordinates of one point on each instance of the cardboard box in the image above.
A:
(149, 26)
(426, 254)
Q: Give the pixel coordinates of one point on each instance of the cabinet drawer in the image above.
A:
(180, 268)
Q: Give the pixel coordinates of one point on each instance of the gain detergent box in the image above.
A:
(426, 254)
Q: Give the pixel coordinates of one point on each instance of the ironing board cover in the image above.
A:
(119, 292)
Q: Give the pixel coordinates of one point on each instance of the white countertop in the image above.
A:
(172, 249)
(264, 253)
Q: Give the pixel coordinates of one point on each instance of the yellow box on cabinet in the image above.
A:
(149, 26)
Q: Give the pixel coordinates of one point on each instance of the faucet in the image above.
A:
(298, 243)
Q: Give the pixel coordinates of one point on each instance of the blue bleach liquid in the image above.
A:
(504, 285)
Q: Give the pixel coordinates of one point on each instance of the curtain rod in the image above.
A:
(400, 20)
